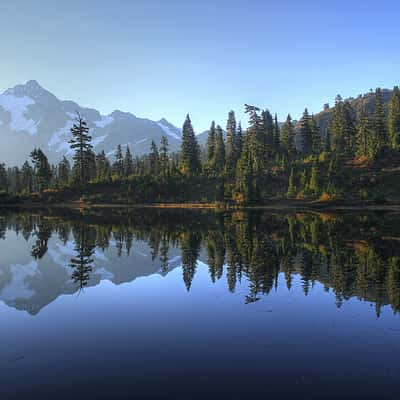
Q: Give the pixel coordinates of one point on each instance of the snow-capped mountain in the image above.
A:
(30, 117)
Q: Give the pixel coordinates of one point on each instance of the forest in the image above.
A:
(353, 158)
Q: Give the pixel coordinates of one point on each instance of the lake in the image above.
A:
(194, 304)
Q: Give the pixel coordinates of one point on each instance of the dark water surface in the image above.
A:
(192, 304)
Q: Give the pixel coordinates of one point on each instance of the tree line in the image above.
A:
(289, 160)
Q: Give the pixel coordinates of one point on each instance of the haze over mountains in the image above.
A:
(31, 116)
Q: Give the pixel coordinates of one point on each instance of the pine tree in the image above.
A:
(365, 144)
(244, 175)
(267, 128)
(190, 152)
(306, 133)
(154, 159)
(3, 178)
(343, 127)
(80, 143)
(219, 156)
(315, 136)
(128, 162)
(287, 136)
(27, 177)
(210, 150)
(64, 170)
(164, 157)
(256, 139)
(394, 119)
(239, 142)
(380, 132)
(231, 147)
(118, 166)
(277, 134)
(42, 169)
(103, 167)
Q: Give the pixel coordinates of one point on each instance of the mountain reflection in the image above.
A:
(352, 255)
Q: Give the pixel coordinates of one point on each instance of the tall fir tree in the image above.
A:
(231, 148)
(27, 177)
(365, 145)
(81, 145)
(306, 133)
(164, 156)
(315, 135)
(154, 157)
(190, 151)
(64, 170)
(118, 166)
(219, 156)
(287, 137)
(210, 149)
(128, 162)
(42, 169)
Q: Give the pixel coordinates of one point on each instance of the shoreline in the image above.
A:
(208, 206)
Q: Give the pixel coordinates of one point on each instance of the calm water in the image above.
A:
(191, 304)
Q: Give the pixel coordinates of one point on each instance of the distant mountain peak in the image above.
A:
(31, 89)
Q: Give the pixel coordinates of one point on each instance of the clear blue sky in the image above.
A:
(164, 58)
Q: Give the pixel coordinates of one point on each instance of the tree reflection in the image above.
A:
(351, 255)
(85, 239)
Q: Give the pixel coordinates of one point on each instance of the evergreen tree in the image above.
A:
(3, 178)
(306, 133)
(42, 169)
(118, 167)
(128, 162)
(239, 142)
(380, 131)
(164, 157)
(64, 170)
(267, 128)
(210, 150)
(154, 159)
(394, 119)
(287, 137)
(219, 156)
(81, 144)
(343, 127)
(27, 177)
(231, 144)
(103, 167)
(277, 134)
(190, 152)
(365, 144)
(257, 138)
(315, 136)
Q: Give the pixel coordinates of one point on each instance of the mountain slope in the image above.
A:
(30, 116)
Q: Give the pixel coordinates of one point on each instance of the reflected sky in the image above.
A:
(144, 328)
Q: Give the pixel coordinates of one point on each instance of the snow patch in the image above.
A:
(105, 120)
(96, 141)
(17, 107)
(168, 131)
(142, 141)
(59, 138)
(18, 287)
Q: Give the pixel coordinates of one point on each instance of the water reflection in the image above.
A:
(45, 255)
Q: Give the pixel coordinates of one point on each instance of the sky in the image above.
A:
(166, 58)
